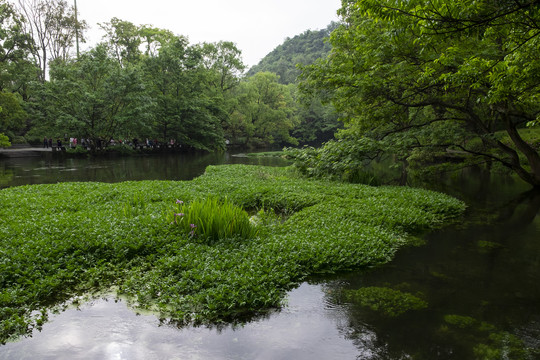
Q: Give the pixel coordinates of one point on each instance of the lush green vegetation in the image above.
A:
(316, 122)
(413, 78)
(62, 240)
(211, 219)
(303, 49)
(267, 154)
(350, 159)
(145, 84)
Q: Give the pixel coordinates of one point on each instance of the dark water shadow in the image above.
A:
(478, 276)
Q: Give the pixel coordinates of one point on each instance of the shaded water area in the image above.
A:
(46, 168)
(479, 278)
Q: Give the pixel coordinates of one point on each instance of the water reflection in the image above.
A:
(479, 277)
(304, 329)
(46, 169)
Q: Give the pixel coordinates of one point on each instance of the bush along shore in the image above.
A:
(220, 248)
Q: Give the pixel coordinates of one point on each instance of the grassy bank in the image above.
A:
(62, 240)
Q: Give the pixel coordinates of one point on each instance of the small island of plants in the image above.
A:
(220, 248)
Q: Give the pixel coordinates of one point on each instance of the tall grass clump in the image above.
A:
(212, 219)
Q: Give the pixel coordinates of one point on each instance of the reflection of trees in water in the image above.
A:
(180, 166)
(375, 336)
(520, 211)
(480, 280)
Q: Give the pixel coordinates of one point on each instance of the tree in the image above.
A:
(266, 112)
(179, 85)
(94, 97)
(318, 121)
(124, 39)
(12, 114)
(15, 69)
(432, 75)
(224, 68)
(53, 26)
(154, 38)
(224, 60)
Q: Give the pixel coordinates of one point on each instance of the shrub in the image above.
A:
(4, 141)
(78, 150)
(121, 149)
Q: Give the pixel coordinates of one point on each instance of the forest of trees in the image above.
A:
(141, 83)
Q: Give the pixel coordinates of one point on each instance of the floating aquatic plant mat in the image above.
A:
(189, 249)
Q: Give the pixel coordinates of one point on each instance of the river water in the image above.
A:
(479, 277)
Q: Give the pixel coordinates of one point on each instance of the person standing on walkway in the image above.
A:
(45, 142)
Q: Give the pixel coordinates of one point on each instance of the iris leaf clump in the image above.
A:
(212, 219)
(59, 241)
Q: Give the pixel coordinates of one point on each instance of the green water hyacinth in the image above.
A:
(188, 250)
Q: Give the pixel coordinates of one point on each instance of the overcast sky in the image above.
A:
(256, 27)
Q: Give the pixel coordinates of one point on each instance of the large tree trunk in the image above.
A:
(533, 157)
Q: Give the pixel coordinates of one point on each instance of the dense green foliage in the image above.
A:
(265, 112)
(317, 122)
(424, 77)
(62, 240)
(345, 159)
(12, 115)
(4, 141)
(302, 49)
(15, 47)
(143, 83)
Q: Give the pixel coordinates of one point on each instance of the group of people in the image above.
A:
(48, 142)
(73, 142)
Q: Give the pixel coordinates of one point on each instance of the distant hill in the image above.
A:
(304, 49)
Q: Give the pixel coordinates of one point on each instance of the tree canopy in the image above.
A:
(140, 82)
(425, 76)
(264, 113)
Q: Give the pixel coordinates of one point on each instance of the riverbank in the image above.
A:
(64, 240)
(23, 151)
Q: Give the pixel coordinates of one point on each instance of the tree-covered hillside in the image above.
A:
(316, 122)
(301, 49)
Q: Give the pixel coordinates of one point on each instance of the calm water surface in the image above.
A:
(46, 168)
(480, 278)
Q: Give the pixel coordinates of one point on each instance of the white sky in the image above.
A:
(256, 26)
